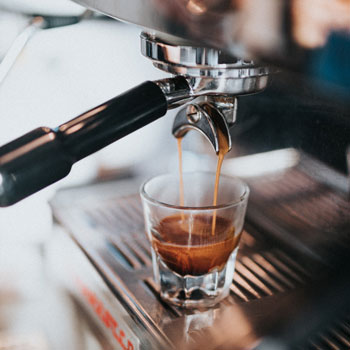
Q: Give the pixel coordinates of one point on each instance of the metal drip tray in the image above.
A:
(257, 274)
(111, 234)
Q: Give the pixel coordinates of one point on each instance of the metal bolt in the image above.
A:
(193, 114)
(227, 105)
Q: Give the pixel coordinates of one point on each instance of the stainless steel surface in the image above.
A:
(242, 28)
(227, 105)
(306, 37)
(209, 71)
(196, 61)
(177, 91)
(207, 119)
(111, 234)
(267, 28)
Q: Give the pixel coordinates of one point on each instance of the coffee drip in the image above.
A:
(197, 244)
(223, 145)
(181, 178)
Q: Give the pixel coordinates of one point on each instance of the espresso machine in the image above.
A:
(275, 77)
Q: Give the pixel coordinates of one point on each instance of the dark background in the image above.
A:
(293, 112)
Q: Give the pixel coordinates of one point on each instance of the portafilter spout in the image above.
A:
(209, 120)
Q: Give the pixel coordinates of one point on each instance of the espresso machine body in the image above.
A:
(278, 76)
(216, 51)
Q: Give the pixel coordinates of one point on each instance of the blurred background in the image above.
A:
(61, 71)
(58, 60)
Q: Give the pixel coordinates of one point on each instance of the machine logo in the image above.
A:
(105, 316)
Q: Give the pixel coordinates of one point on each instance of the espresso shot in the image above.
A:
(192, 264)
(188, 247)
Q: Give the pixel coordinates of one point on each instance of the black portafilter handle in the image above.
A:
(44, 156)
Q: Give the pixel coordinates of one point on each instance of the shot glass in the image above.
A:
(194, 245)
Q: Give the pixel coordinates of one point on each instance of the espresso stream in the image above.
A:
(223, 149)
(196, 245)
(181, 189)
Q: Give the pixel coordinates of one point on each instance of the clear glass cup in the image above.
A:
(194, 245)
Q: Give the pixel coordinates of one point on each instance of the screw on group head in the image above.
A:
(193, 114)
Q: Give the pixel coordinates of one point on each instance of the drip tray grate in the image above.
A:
(281, 207)
(257, 274)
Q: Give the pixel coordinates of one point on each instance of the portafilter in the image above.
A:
(206, 79)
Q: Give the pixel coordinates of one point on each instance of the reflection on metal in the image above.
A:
(176, 90)
(242, 28)
(284, 242)
(209, 71)
(207, 119)
(278, 32)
